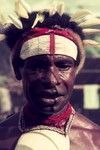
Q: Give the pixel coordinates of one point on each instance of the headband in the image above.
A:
(48, 41)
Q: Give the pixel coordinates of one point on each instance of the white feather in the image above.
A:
(52, 10)
(2, 37)
(80, 15)
(39, 18)
(26, 6)
(89, 42)
(16, 22)
(60, 8)
(2, 19)
(89, 31)
(90, 22)
(20, 10)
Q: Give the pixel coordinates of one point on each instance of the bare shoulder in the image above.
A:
(83, 122)
(83, 132)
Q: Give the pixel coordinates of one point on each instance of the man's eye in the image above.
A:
(64, 66)
(37, 67)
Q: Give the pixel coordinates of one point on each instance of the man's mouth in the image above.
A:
(50, 94)
(49, 98)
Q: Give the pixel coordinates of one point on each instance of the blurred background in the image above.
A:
(86, 94)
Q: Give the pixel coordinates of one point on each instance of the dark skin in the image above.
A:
(48, 82)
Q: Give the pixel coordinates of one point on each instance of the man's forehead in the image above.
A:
(45, 57)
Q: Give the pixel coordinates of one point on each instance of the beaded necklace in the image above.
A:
(22, 126)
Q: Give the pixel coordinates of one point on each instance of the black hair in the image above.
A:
(63, 21)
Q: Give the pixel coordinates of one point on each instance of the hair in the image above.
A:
(13, 34)
(49, 22)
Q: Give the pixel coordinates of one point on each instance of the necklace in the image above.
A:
(22, 126)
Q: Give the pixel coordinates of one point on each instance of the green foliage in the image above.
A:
(92, 52)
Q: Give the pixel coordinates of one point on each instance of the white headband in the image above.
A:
(40, 45)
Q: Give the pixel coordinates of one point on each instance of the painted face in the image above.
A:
(48, 82)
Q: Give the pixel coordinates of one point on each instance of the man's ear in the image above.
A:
(17, 72)
(17, 65)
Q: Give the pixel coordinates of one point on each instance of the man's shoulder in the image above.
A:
(83, 122)
(10, 121)
(9, 132)
(84, 131)
(8, 126)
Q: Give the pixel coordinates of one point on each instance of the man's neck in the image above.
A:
(55, 120)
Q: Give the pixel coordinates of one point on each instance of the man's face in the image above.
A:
(48, 82)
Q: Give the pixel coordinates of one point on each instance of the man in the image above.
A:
(47, 54)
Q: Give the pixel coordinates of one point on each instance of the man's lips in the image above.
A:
(48, 97)
(49, 94)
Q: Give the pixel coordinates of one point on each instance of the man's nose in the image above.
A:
(54, 76)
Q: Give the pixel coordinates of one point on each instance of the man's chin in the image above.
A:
(46, 113)
(50, 110)
(49, 106)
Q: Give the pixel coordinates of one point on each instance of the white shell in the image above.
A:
(43, 140)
